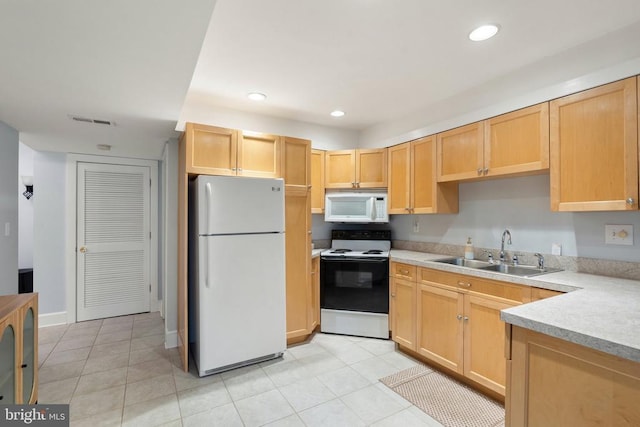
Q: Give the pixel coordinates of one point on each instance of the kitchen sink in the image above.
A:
(519, 270)
(514, 270)
(472, 263)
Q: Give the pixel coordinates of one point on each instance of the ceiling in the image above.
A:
(143, 64)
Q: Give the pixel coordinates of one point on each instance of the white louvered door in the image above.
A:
(113, 240)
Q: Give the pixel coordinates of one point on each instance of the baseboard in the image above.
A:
(170, 339)
(52, 319)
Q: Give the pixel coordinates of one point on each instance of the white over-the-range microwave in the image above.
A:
(356, 207)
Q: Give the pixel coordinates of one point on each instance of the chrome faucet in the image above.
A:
(540, 260)
(505, 233)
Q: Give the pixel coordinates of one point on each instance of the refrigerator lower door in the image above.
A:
(241, 300)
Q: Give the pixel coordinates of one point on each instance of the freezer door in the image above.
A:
(230, 205)
(241, 299)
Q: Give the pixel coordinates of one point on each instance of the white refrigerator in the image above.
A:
(237, 311)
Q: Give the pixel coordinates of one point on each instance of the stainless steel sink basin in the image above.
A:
(472, 263)
(519, 270)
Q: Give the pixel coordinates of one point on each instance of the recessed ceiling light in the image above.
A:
(337, 113)
(483, 32)
(257, 96)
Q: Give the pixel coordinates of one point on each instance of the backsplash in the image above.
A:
(619, 269)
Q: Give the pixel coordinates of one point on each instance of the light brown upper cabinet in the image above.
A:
(460, 152)
(594, 149)
(296, 164)
(412, 180)
(356, 168)
(317, 181)
(212, 150)
(515, 143)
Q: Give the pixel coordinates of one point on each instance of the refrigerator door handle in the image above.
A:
(207, 272)
(207, 190)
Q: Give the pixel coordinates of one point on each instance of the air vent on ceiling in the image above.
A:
(95, 121)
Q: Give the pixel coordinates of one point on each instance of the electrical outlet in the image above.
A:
(556, 249)
(618, 234)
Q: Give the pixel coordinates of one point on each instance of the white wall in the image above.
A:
(169, 254)
(49, 231)
(25, 209)
(522, 206)
(613, 57)
(322, 137)
(8, 209)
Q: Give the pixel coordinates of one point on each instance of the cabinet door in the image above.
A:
(317, 181)
(460, 153)
(29, 353)
(517, 142)
(484, 340)
(399, 199)
(296, 164)
(9, 386)
(315, 293)
(298, 258)
(404, 312)
(259, 155)
(210, 150)
(440, 326)
(371, 168)
(594, 149)
(340, 167)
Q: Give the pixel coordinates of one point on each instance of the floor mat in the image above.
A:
(450, 402)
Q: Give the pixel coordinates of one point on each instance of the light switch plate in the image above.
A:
(618, 234)
(556, 249)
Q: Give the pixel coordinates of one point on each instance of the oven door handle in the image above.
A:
(354, 260)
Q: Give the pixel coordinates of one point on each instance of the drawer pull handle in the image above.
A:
(24, 365)
(404, 271)
(465, 284)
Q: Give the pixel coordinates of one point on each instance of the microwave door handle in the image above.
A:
(372, 200)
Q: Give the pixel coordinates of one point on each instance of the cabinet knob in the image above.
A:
(459, 317)
(234, 169)
(83, 249)
(485, 171)
(630, 201)
(479, 171)
(466, 318)
(309, 187)
(408, 209)
(239, 169)
(393, 295)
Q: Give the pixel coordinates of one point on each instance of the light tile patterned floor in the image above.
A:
(117, 372)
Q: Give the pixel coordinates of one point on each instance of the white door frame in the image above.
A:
(71, 222)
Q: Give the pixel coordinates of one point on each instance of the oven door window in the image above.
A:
(355, 284)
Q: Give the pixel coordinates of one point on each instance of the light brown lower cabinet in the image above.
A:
(457, 322)
(19, 349)
(555, 383)
(315, 294)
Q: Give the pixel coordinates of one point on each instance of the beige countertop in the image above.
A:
(597, 311)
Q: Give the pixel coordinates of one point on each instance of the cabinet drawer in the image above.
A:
(476, 285)
(403, 271)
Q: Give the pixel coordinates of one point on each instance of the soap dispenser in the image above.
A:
(468, 249)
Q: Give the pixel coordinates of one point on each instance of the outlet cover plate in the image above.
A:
(618, 234)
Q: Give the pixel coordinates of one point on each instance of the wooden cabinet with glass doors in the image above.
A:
(19, 349)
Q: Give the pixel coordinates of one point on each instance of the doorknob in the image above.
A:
(83, 249)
